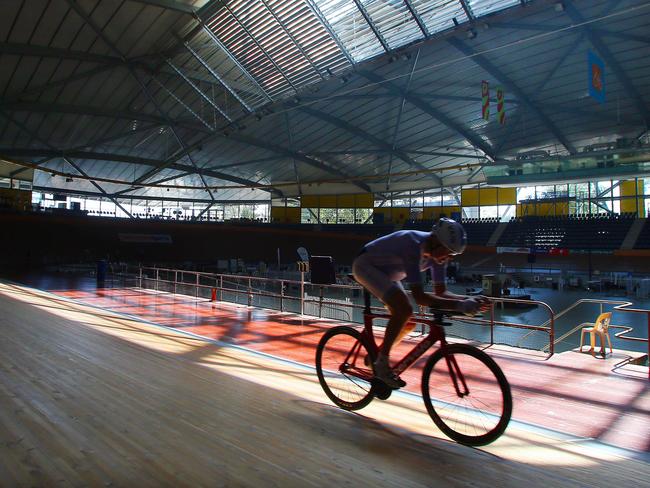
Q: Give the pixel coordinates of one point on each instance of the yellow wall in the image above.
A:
(356, 200)
(630, 204)
(16, 199)
(473, 197)
(469, 197)
(285, 215)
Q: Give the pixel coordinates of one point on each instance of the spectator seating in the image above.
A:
(596, 231)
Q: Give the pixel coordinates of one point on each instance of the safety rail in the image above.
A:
(619, 306)
(220, 284)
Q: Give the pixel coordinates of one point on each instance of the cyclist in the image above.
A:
(384, 263)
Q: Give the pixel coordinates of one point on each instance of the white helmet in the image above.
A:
(451, 235)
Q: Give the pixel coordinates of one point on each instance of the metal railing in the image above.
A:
(619, 306)
(218, 287)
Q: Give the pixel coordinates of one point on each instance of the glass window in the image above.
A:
(345, 216)
(363, 216)
(470, 212)
(247, 212)
(489, 212)
(402, 202)
(231, 212)
(262, 211)
(416, 200)
(545, 191)
(328, 215)
(506, 212)
(309, 216)
(382, 203)
(525, 193)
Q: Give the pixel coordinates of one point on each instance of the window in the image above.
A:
(525, 193)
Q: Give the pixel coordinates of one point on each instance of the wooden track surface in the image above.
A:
(90, 398)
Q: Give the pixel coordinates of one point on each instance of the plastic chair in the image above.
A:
(600, 329)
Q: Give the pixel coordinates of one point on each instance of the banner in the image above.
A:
(596, 77)
(501, 109)
(485, 97)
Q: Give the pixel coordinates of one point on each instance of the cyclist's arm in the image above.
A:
(430, 300)
(440, 290)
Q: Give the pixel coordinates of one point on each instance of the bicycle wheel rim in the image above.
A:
(344, 376)
(478, 417)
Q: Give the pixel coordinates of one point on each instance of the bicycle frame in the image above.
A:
(436, 333)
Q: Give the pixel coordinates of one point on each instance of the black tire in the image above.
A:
(471, 420)
(347, 384)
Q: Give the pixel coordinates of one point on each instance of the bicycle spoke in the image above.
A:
(481, 414)
(345, 383)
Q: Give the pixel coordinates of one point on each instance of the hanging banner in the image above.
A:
(485, 96)
(501, 109)
(596, 77)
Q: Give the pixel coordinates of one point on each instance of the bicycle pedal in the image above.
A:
(381, 389)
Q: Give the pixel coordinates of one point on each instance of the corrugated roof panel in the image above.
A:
(266, 37)
(351, 28)
(484, 7)
(394, 21)
(439, 15)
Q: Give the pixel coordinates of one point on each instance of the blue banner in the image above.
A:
(596, 77)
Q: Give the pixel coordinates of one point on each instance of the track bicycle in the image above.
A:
(464, 390)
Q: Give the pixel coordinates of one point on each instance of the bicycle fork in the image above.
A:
(457, 377)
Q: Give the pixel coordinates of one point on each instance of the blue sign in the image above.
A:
(596, 77)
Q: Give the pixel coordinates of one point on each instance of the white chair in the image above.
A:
(600, 329)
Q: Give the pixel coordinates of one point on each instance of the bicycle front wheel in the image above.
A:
(343, 370)
(466, 394)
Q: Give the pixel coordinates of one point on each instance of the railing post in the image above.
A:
(552, 335)
(175, 280)
(491, 323)
(197, 286)
(221, 288)
(157, 278)
(320, 303)
(140, 276)
(281, 296)
(302, 293)
(250, 296)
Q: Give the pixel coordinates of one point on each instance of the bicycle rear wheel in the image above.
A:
(341, 369)
(482, 410)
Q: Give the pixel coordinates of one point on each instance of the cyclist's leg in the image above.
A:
(400, 309)
(394, 297)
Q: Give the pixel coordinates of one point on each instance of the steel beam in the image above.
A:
(182, 103)
(418, 19)
(372, 26)
(232, 58)
(316, 11)
(467, 134)
(94, 111)
(216, 76)
(198, 90)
